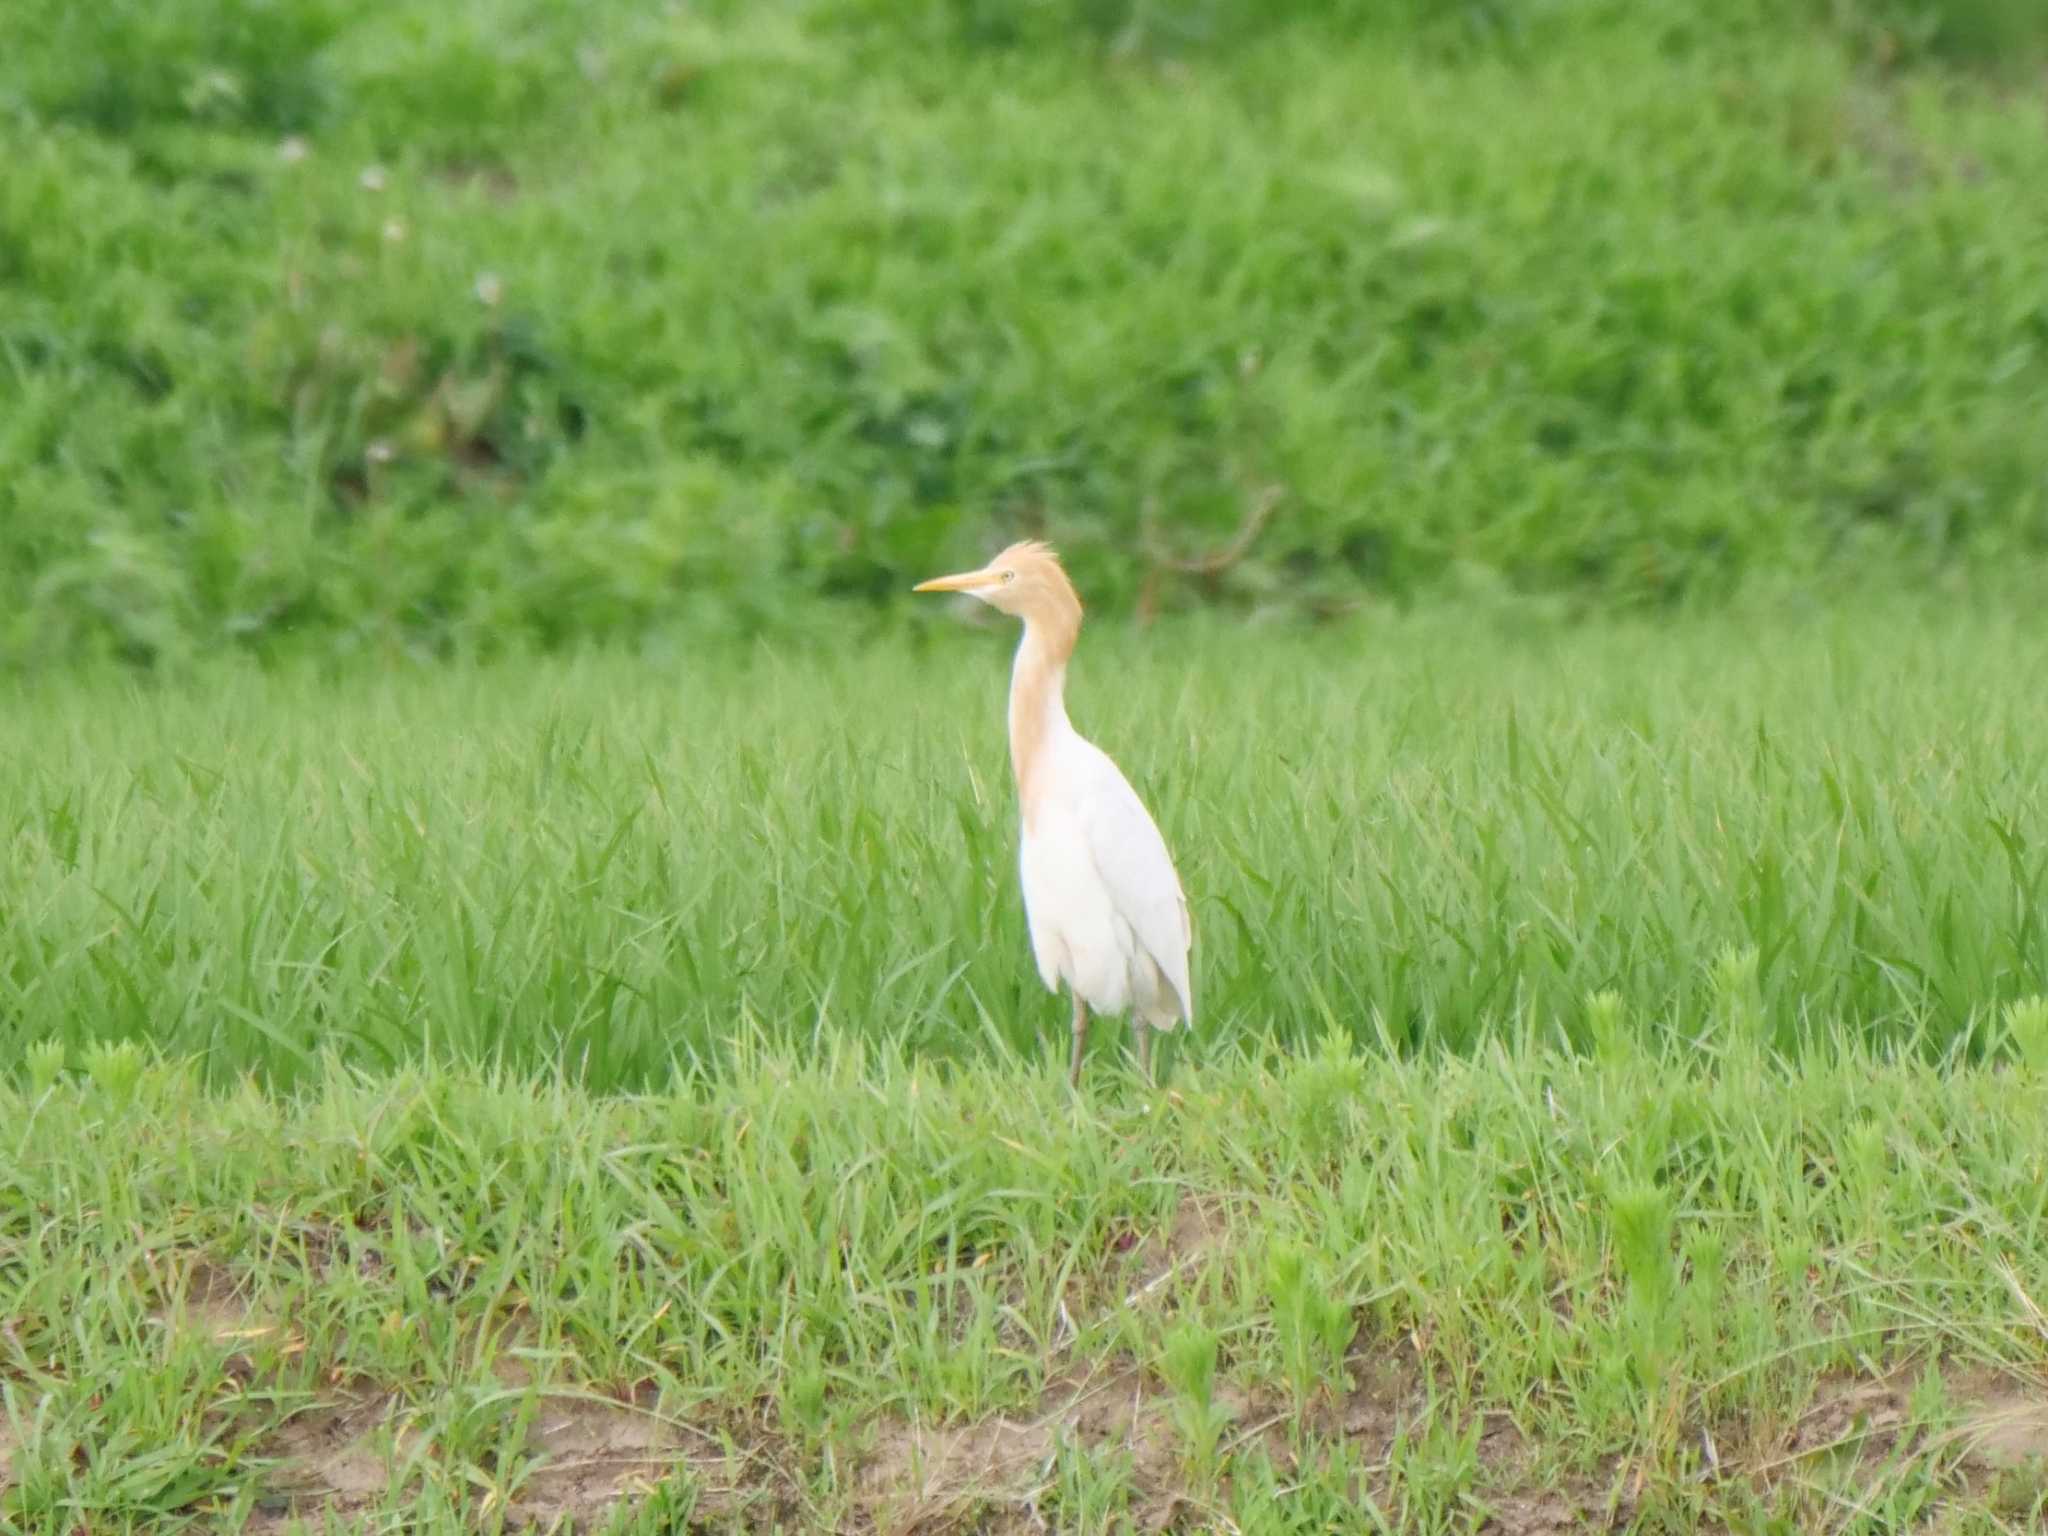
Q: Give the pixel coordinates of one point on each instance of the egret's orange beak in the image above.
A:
(966, 581)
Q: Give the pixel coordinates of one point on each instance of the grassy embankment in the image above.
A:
(358, 327)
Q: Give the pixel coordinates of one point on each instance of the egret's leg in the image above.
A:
(1144, 1031)
(1080, 1040)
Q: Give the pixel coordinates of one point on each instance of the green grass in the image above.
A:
(1697, 1290)
(1617, 1090)
(792, 301)
(1421, 832)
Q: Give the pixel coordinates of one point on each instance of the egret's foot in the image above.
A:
(1080, 1043)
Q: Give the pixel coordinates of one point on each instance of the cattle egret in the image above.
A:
(1101, 898)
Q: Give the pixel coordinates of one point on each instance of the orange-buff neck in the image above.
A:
(1038, 709)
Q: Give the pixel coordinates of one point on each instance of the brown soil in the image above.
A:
(593, 1450)
(330, 1455)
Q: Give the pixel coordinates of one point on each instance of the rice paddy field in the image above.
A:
(1421, 834)
(612, 1093)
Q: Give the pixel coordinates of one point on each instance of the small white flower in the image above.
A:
(394, 230)
(380, 451)
(372, 178)
(293, 150)
(489, 289)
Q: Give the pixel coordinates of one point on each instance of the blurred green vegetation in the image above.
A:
(514, 320)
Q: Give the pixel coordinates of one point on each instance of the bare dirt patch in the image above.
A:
(1860, 1427)
(1387, 1392)
(2004, 1421)
(920, 1478)
(1547, 1512)
(1999, 1418)
(328, 1457)
(594, 1453)
(201, 1297)
(1853, 1412)
(1200, 1229)
(202, 1300)
(994, 1474)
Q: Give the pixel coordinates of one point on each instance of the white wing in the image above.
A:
(1137, 871)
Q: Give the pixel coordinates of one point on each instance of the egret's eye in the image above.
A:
(1009, 576)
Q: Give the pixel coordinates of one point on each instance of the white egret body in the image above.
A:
(1103, 903)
